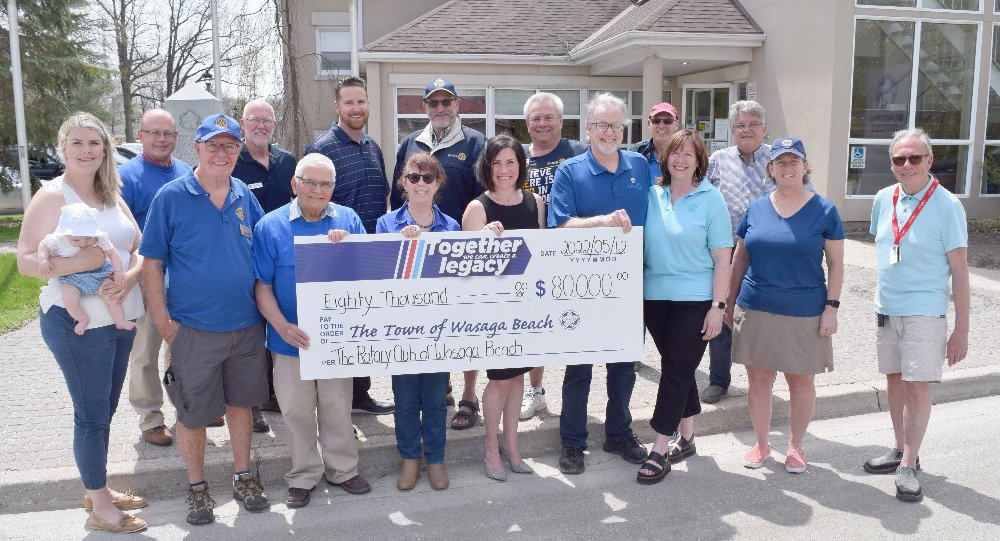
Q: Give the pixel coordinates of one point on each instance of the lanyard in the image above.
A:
(896, 231)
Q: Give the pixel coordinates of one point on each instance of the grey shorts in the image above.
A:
(212, 370)
(913, 346)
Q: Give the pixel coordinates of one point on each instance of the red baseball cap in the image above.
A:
(663, 108)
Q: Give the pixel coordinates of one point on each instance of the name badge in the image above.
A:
(245, 231)
(894, 254)
(255, 185)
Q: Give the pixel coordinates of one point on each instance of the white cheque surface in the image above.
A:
(381, 304)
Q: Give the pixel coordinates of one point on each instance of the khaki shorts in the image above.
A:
(212, 370)
(913, 346)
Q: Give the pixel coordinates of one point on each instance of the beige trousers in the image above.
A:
(305, 406)
(145, 388)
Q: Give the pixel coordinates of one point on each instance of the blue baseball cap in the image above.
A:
(787, 145)
(215, 124)
(439, 84)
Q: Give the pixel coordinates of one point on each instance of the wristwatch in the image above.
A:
(721, 305)
(833, 302)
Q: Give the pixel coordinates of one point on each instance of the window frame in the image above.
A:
(319, 54)
(920, 7)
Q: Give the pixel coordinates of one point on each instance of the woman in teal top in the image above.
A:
(685, 279)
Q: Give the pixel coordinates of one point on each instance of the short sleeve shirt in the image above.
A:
(542, 169)
(584, 188)
(918, 284)
(271, 185)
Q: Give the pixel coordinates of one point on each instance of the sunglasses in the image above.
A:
(915, 159)
(446, 102)
(657, 121)
(414, 178)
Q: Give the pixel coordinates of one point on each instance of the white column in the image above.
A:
(652, 88)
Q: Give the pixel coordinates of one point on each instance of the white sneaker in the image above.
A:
(532, 403)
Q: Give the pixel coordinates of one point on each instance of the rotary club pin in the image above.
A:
(239, 213)
(222, 123)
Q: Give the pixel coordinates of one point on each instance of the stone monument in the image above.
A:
(189, 106)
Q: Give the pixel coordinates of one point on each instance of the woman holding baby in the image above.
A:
(92, 349)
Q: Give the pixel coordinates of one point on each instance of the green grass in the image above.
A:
(9, 229)
(18, 295)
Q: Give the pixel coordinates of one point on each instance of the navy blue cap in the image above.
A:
(215, 124)
(786, 145)
(439, 84)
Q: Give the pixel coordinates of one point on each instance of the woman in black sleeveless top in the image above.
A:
(503, 170)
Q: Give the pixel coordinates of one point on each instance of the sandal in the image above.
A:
(657, 464)
(448, 399)
(466, 416)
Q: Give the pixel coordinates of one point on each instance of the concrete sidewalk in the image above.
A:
(36, 415)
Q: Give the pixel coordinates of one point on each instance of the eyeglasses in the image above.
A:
(657, 121)
(261, 121)
(213, 147)
(604, 126)
(156, 134)
(414, 178)
(542, 118)
(915, 159)
(740, 126)
(446, 102)
(313, 184)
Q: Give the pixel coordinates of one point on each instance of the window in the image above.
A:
(947, 5)
(333, 51)
(508, 112)
(887, 97)
(990, 184)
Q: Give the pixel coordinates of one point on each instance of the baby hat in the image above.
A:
(78, 220)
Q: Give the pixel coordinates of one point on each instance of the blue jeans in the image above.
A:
(720, 358)
(417, 394)
(94, 367)
(576, 392)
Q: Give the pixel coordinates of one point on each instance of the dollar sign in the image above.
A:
(540, 288)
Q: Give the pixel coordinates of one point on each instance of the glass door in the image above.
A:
(706, 110)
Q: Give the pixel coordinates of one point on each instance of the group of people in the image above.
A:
(213, 250)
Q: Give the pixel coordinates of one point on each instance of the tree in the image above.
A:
(59, 76)
(189, 41)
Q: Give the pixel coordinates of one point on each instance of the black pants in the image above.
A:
(676, 330)
(361, 387)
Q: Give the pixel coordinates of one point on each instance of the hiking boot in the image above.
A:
(200, 505)
(247, 489)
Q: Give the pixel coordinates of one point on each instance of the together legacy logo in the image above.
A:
(488, 256)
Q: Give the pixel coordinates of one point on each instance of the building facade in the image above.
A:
(842, 75)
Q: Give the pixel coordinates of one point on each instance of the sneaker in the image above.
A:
(887, 463)
(630, 449)
(247, 489)
(532, 403)
(755, 457)
(795, 460)
(907, 486)
(200, 505)
(713, 393)
(259, 422)
(571, 460)
(374, 407)
(678, 448)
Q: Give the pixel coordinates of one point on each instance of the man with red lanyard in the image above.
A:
(921, 240)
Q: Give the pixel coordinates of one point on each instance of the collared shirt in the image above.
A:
(361, 183)
(584, 188)
(141, 179)
(738, 181)
(271, 185)
(918, 284)
(274, 256)
(678, 241)
(154, 161)
(395, 221)
(435, 138)
(206, 253)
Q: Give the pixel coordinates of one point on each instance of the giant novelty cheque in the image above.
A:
(444, 302)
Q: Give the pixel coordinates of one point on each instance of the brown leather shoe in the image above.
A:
(354, 485)
(221, 421)
(127, 524)
(128, 502)
(438, 476)
(297, 497)
(158, 435)
(409, 472)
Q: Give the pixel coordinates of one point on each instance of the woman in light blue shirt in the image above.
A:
(687, 241)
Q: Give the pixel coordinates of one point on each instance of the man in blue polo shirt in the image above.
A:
(921, 240)
(454, 145)
(199, 233)
(142, 177)
(603, 187)
(361, 185)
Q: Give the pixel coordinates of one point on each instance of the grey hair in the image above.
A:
(543, 96)
(749, 107)
(914, 133)
(606, 98)
(315, 159)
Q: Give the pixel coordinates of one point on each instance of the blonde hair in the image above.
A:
(106, 182)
